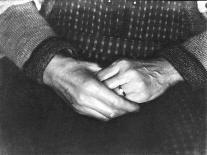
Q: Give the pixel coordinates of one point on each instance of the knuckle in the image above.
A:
(89, 85)
(116, 102)
(81, 99)
(143, 87)
(146, 94)
(133, 73)
(124, 62)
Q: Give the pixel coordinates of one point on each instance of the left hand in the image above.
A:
(141, 81)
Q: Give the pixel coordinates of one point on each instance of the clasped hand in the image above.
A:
(142, 81)
(93, 91)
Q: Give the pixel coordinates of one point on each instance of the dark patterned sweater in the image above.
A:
(105, 30)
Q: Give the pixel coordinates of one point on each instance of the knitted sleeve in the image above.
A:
(22, 28)
(42, 55)
(190, 60)
(5, 4)
(28, 40)
(191, 66)
(190, 57)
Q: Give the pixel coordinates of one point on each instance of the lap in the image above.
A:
(33, 118)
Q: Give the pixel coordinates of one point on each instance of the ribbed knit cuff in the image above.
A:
(42, 55)
(187, 65)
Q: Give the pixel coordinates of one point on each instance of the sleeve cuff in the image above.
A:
(43, 54)
(192, 71)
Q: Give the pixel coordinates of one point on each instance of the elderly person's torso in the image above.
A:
(106, 30)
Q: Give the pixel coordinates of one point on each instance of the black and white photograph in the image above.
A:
(103, 77)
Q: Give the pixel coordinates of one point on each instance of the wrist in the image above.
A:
(43, 54)
(171, 75)
(55, 67)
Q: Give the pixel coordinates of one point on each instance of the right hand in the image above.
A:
(77, 83)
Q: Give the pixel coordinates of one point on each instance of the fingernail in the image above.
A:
(135, 108)
(138, 108)
(112, 115)
(105, 119)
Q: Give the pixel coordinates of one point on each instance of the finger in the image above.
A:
(119, 92)
(103, 108)
(128, 88)
(89, 112)
(116, 81)
(109, 97)
(108, 72)
(138, 98)
(93, 66)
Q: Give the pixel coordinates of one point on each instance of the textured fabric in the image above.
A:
(182, 119)
(21, 30)
(5, 4)
(34, 120)
(185, 63)
(198, 47)
(179, 120)
(106, 30)
(109, 30)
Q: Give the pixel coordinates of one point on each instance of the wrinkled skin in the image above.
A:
(77, 83)
(142, 81)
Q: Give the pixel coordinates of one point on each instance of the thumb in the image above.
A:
(93, 66)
